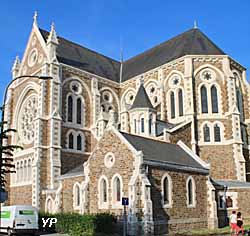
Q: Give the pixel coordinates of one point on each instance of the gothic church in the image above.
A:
(168, 128)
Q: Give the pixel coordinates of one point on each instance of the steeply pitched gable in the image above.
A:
(141, 99)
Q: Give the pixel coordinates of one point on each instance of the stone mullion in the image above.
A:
(55, 124)
(37, 150)
(95, 100)
(189, 103)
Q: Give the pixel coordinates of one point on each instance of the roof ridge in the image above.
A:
(78, 44)
(147, 137)
(158, 45)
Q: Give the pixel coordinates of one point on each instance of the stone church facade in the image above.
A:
(168, 128)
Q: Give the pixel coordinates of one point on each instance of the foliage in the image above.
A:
(6, 153)
(77, 225)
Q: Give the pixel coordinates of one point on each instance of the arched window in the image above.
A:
(49, 205)
(135, 126)
(190, 192)
(206, 132)
(180, 98)
(104, 191)
(21, 171)
(79, 111)
(70, 108)
(17, 179)
(166, 190)
(71, 141)
(150, 124)
(204, 107)
(77, 195)
(117, 189)
(142, 125)
(217, 135)
(25, 170)
(79, 142)
(239, 100)
(172, 104)
(29, 168)
(214, 98)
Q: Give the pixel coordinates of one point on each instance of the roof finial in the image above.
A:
(52, 35)
(195, 24)
(35, 18)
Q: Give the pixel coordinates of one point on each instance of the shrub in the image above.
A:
(79, 225)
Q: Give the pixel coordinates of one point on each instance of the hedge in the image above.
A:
(77, 225)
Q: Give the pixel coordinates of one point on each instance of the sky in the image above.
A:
(136, 24)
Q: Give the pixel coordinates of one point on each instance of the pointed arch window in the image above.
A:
(79, 111)
(214, 98)
(77, 195)
(150, 124)
(166, 190)
(70, 108)
(79, 142)
(71, 141)
(217, 135)
(142, 125)
(206, 132)
(204, 106)
(190, 192)
(172, 104)
(104, 191)
(117, 189)
(239, 100)
(180, 99)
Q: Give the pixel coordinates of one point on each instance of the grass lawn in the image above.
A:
(205, 232)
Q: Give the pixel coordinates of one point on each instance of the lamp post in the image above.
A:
(40, 77)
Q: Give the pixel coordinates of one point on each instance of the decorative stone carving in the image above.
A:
(26, 122)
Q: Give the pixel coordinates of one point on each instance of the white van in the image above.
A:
(19, 219)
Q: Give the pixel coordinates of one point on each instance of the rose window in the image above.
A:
(27, 117)
(208, 75)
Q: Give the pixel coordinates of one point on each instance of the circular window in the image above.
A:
(174, 81)
(107, 96)
(26, 121)
(33, 56)
(129, 98)
(207, 75)
(109, 160)
(75, 87)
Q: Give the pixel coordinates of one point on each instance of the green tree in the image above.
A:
(6, 153)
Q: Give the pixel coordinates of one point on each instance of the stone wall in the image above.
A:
(67, 193)
(20, 195)
(222, 165)
(178, 216)
(183, 134)
(123, 165)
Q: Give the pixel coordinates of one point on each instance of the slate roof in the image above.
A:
(141, 99)
(78, 170)
(161, 125)
(231, 183)
(83, 58)
(170, 155)
(191, 42)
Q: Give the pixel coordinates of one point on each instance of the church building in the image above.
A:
(168, 128)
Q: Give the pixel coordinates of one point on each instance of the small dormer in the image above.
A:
(142, 115)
